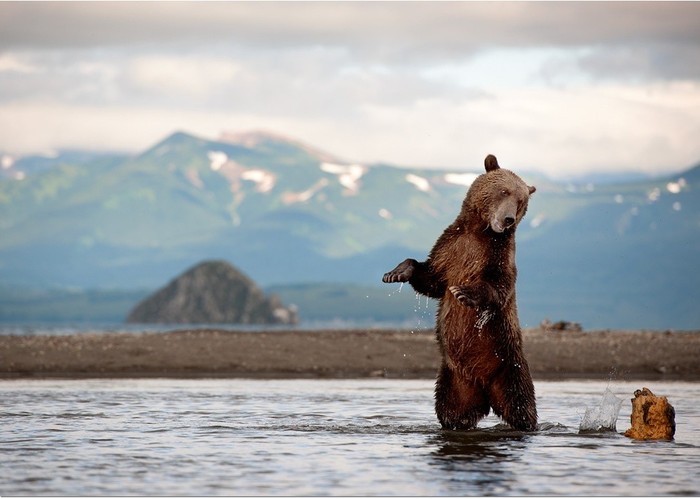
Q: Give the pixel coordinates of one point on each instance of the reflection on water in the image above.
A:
(323, 437)
(476, 459)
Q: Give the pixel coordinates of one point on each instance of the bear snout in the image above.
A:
(501, 223)
(505, 216)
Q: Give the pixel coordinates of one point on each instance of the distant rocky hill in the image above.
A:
(212, 292)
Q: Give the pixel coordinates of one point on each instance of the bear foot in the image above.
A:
(465, 422)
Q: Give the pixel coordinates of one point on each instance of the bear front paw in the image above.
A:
(402, 272)
(464, 295)
(395, 276)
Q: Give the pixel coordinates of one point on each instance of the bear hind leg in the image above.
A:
(512, 396)
(459, 403)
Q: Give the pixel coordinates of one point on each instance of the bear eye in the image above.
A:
(505, 192)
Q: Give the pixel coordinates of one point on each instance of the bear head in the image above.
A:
(497, 198)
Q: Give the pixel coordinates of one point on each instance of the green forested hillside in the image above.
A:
(609, 255)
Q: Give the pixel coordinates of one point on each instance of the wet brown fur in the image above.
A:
(471, 270)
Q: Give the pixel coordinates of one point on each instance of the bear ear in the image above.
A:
(491, 163)
(532, 189)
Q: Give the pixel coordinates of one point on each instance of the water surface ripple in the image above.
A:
(323, 437)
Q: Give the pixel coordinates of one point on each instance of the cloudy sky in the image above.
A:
(563, 88)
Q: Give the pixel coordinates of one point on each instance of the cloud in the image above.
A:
(554, 86)
(392, 29)
(640, 62)
(11, 63)
(643, 129)
(180, 76)
(631, 40)
(640, 130)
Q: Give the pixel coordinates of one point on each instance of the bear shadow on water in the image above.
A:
(471, 271)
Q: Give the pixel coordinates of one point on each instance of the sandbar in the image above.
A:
(394, 353)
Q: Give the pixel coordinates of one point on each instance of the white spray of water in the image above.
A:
(397, 290)
(484, 317)
(602, 417)
(416, 310)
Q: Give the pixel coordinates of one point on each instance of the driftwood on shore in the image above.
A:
(339, 353)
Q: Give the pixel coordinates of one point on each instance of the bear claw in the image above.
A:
(402, 272)
(395, 277)
(462, 296)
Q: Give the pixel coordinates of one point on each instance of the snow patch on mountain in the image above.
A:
(421, 183)
(235, 172)
(6, 162)
(385, 214)
(348, 175)
(676, 187)
(265, 180)
(304, 196)
(217, 159)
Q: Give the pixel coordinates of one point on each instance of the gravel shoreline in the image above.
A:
(197, 353)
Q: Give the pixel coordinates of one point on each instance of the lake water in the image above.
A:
(64, 329)
(324, 437)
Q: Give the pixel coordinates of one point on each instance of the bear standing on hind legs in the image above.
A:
(471, 270)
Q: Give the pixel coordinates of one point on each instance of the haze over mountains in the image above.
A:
(613, 254)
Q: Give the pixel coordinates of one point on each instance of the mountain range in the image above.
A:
(612, 254)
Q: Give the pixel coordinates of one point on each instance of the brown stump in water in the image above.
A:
(653, 418)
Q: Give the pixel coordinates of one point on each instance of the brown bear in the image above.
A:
(471, 270)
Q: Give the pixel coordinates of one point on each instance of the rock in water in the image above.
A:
(212, 292)
(653, 418)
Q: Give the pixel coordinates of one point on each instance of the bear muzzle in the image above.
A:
(500, 224)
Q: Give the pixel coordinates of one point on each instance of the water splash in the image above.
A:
(423, 312)
(484, 317)
(604, 416)
(396, 290)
